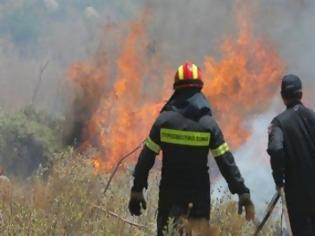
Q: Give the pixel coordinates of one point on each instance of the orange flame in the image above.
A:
(96, 164)
(125, 110)
(121, 112)
(243, 82)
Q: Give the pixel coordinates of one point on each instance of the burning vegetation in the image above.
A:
(125, 108)
(243, 82)
(119, 97)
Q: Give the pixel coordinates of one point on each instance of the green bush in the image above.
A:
(27, 139)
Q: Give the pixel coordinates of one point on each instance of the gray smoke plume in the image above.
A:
(36, 32)
(33, 32)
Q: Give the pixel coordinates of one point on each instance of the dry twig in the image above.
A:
(113, 214)
(40, 78)
(118, 165)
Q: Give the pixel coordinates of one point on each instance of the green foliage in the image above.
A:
(27, 138)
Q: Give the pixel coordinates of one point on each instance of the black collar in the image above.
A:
(293, 103)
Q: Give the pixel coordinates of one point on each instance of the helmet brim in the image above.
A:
(188, 83)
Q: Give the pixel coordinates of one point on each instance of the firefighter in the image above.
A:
(185, 131)
(292, 153)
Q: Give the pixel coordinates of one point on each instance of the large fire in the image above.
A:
(243, 82)
(126, 108)
(121, 96)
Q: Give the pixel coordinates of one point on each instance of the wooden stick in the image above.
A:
(270, 208)
(40, 78)
(139, 226)
(118, 165)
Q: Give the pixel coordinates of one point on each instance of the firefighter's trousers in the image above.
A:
(189, 211)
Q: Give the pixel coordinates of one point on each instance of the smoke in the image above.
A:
(254, 162)
(33, 32)
(90, 12)
(51, 5)
(290, 26)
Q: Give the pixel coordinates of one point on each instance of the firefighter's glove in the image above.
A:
(280, 189)
(136, 202)
(246, 202)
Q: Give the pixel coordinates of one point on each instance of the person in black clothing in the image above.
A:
(292, 153)
(185, 131)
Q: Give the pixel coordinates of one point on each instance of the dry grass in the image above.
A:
(71, 202)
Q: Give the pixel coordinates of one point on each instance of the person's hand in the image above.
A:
(246, 202)
(280, 189)
(136, 203)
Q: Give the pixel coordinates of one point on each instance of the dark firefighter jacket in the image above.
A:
(292, 150)
(185, 131)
